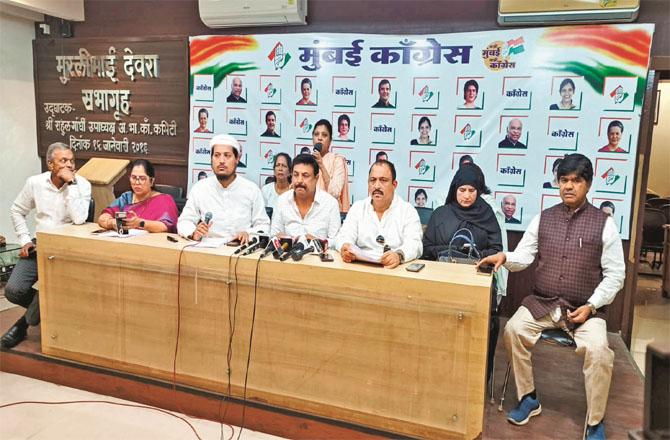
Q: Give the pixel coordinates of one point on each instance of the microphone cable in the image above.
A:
(176, 344)
(176, 348)
(232, 319)
(251, 338)
(137, 405)
(107, 402)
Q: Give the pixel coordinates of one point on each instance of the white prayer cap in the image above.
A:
(225, 139)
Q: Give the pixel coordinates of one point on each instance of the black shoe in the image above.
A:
(14, 335)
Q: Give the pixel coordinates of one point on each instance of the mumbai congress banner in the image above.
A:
(514, 102)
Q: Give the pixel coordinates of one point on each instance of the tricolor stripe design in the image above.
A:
(206, 50)
(626, 46)
(515, 46)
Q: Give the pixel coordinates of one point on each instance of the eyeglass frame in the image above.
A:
(139, 179)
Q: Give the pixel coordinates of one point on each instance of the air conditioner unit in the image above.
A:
(552, 12)
(238, 13)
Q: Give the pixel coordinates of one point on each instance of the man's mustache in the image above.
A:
(378, 191)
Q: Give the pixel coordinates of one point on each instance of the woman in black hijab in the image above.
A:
(464, 208)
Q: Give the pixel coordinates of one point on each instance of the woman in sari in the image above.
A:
(333, 173)
(146, 208)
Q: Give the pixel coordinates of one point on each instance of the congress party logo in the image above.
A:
(278, 57)
(422, 167)
(498, 55)
(425, 94)
(270, 90)
(467, 132)
(203, 87)
(618, 94)
(269, 157)
(305, 126)
(610, 177)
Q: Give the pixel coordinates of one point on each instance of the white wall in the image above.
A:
(18, 134)
(659, 164)
(67, 9)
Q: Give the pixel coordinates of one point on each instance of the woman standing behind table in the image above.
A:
(282, 180)
(333, 174)
(147, 209)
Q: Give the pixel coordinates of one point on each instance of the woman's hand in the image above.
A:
(132, 221)
(319, 158)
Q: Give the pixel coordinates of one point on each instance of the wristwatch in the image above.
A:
(592, 307)
(142, 224)
(401, 254)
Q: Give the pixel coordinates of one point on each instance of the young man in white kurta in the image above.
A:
(236, 203)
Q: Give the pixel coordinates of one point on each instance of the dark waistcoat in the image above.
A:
(569, 252)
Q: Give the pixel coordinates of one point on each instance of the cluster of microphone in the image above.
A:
(281, 248)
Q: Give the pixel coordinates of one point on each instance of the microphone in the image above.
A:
(295, 249)
(297, 256)
(251, 249)
(272, 246)
(280, 250)
(245, 246)
(318, 147)
(208, 218)
(298, 245)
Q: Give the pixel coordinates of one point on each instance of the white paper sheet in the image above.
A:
(131, 233)
(362, 255)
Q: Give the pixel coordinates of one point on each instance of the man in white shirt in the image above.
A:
(236, 204)
(306, 210)
(58, 197)
(580, 270)
(382, 224)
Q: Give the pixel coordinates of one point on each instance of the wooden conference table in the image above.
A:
(388, 349)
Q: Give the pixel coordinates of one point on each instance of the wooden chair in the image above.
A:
(658, 202)
(652, 235)
(91, 211)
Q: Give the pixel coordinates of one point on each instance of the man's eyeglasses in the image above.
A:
(139, 179)
(380, 239)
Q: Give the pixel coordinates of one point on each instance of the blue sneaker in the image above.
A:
(596, 432)
(526, 409)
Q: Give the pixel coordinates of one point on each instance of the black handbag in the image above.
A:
(465, 253)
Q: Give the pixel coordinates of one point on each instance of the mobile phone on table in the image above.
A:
(485, 269)
(233, 243)
(326, 258)
(415, 267)
(172, 239)
(99, 231)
